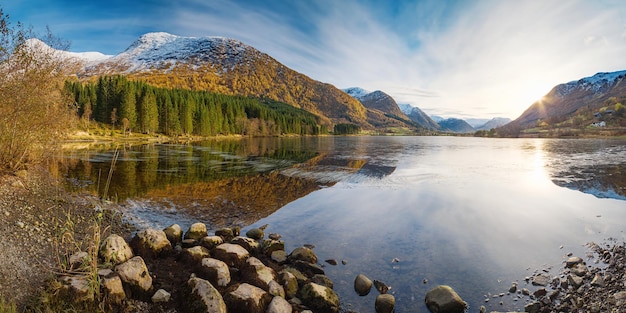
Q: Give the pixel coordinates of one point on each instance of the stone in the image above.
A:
(188, 243)
(579, 269)
(211, 242)
(78, 259)
(226, 233)
(113, 289)
(541, 292)
(255, 233)
(598, 281)
(573, 261)
(203, 297)
(308, 269)
(247, 243)
(254, 272)
(620, 298)
(275, 289)
(574, 280)
(174, 233)
(301, 278)
(443, 299)
(161, 296)
(279, 305)
(247, 298)
(135, 274)
(385, 303)
(362, 285)
(303, 254)
(279, 256)
(215, 271)
(78, 288)
(541, 280)
(513, 288)
(271, 245)
(231, 254)
(289, 283)
(319, 298)
(105, 272)
(196, 254)
(322, 280)
(532, 307)
(196, 231)
(151, 243)
(114, 249)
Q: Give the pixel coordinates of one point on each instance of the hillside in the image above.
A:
(227, 66)
(577, 101)
(418, 116)
(383, 111)
(456, 125)
(494, 123)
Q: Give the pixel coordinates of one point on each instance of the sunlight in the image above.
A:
(539, 173)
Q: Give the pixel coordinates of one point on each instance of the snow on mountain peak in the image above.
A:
(356, 92)
(599, 82)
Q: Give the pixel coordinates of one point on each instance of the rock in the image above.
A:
(541, 292)
(231, 254)
(443, 299)
(226, 233)
(303, 254)
(620, 298)
(532, 307)
(105, 272)
(573, 261)
(320, 298)
(307, 268)
(275, 289)
(188, 243)
(362, 285)
(78, 288)
(579, 269)
(289, 283)
(151, 243)
(253, 271)
(274, 236)
(279, 305)
(331, 262)
(204, 297)
(78, 259)
(541, 279)
(135, 274)
(211, 242)
(270, 245)
(196, 254)
(385, 303)
(215, 271)
(114, 249)
(247, 243)
(322, 280)
(196, 231)
(174, 233)
(598, 281)
(247, 298)
(113, 289)
(255, 233)
(574, 280)
(525, 292)
(381, 287)
(279, 256)
(161, 296)
(513, 288)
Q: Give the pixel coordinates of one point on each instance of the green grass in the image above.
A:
(7, 307)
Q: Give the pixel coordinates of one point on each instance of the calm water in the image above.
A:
(473, 213)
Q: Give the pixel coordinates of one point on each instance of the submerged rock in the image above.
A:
(255, 233)
(443, 299)
(303, 254)
(362, 285)
(385, 303)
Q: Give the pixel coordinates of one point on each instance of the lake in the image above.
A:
(413, 212)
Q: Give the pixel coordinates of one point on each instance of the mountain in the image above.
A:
(494, 123)
(437, 118)
(476, 122)
(456, 125)
(356, 92)
(564, 100)
(383, 111)
(228, 66)
(419, 117)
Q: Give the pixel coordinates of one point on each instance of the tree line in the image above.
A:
(137, 106)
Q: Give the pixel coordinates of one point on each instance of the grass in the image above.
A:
(7, 307)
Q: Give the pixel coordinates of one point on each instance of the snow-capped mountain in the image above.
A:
(565, 99)
(493, 123)
(356, 92)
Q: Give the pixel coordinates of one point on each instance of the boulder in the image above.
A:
(113, 290)
(150, 243)
(78, 288)
(303, 254)
(598, 281)
(289, 283)
(211, 242)
(215, 271)
(247, 298)
(135, 275)
(78, 259)
(271, 245)
(196, 254)
(323, 280)
(362, 285)
(385, 303)
(196, 231)
(226, 233)
(320, 298)
(541, 280)
(275, 289)
(574, 281)
(203, 297)
(114, 249)
(301, 278)
(279, 256)
(231, 254)
(307, 268)
(573, 261)
(161, 296)
(254, 272)
(255, 233)
(247, 243)
(174, 233)
(579, 269)
(279, 305)
(443, 299)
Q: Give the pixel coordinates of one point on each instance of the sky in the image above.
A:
(452, 58)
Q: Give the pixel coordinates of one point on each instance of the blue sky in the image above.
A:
(482, 58)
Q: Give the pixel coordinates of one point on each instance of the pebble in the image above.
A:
(20, 224)
(6, 213)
